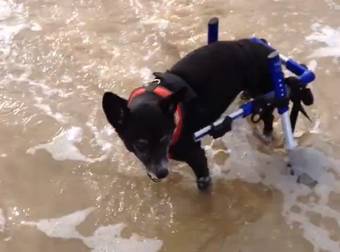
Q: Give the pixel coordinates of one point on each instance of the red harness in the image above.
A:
(163, 92)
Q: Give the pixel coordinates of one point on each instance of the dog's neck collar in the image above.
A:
(162, 92)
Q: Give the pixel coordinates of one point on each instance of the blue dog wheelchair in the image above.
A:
(283, 92)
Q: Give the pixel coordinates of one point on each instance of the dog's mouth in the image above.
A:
(157, 172)
(153, 177)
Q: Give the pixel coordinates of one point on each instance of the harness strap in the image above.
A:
(175, 83)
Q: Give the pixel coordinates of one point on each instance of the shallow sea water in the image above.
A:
(68, 184)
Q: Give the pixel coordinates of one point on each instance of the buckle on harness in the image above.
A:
(150, 87)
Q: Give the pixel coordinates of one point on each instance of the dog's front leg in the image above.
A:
(268, 119)
(193, 154)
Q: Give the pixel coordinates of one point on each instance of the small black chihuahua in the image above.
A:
(158, 120)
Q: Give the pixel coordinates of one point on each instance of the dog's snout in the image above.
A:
(159, 170)
(162, 173)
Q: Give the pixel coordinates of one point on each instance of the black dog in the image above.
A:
(160, 119)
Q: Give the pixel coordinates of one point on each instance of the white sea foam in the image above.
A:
(9, 29)
(312, 65)
(161, 23)
(329, 37)
(63, 146)
(108, 238)
(146, 74)
(101, 136)
(333, 4)
(59, 117)
(63, 227)
(105, 238)
(17, 21)
(2, 221)
(40, 92)
(13, 20)
(256, 167)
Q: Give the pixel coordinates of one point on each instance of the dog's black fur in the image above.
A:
(217, 73)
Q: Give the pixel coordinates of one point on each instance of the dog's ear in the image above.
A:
(169, 104)
(115, 109)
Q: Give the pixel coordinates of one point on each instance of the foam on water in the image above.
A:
(332, 4)
(105, 238)
(42, 93)
(63, 227)
(63, 146)
(2, 221)
(101, 137)
(13, 19)
(328, 36)
(312, 65)
(59, 117)
(15, 12)
(256, 167)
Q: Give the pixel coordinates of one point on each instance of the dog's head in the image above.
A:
(146, 125)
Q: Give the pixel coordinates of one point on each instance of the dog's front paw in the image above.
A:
(204, 183)
(264, 137)
(267, 137)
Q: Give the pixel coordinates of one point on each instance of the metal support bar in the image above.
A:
(281, 95)
(278, 81)
(304, 74)
(213, 30)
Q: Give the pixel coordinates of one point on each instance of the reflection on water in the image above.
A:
(68, 184)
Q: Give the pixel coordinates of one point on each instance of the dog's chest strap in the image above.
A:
(163, 92)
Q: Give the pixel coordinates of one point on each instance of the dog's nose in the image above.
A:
(162, 173)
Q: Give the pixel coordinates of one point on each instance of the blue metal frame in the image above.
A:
(213, 30)
(304, 74)
(279, 85)
(281, 91)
